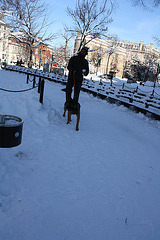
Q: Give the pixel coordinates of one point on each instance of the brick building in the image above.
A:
(14, 47)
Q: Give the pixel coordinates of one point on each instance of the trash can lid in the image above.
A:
(10, 121)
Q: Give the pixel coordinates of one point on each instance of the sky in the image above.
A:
(131, 23)
(100, 183)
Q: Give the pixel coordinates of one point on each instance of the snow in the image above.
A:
(99, 183)
(10, 121)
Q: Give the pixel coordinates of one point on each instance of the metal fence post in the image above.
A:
(34, 81)
(39, 85)
(41, 91)
(27, 78)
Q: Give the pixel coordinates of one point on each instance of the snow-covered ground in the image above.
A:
(100, 183)
(144, 97)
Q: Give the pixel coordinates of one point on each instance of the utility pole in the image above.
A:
(110, 53)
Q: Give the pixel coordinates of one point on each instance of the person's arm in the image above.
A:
(70, 64)
(86, 68)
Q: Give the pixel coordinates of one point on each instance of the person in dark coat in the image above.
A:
(77, 66)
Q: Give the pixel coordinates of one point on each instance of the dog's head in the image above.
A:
(72, 106)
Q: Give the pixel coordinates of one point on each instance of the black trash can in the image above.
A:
(10, 131)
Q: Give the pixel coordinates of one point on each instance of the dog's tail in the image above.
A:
(64, 89)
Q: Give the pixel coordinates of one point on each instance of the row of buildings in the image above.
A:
(12, 50)
(104, 55)
(112, 55)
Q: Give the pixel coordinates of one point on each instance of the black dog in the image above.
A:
(73, 107)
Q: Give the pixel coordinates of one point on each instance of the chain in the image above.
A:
(24, 90)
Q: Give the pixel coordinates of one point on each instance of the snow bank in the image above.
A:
(96, 184)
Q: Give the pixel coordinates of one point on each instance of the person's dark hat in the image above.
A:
(85, 48)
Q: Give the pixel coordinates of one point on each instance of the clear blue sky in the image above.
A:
(129, 22)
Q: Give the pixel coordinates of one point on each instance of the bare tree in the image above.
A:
(67, 37)
(99, 52)
(157, 40)
(147, 4)
(142, 69)
(29, 17)
(59, 56)
(91, 18)
(4, 4)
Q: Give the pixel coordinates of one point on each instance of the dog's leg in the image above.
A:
(64, 114)
(69, 117)
(65, 109)
(77, 124)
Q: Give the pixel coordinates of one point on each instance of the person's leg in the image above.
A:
(69, 89)
(77, 91)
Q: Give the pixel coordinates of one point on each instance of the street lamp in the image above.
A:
(98, 62)
(40, 51)
(109, 54)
